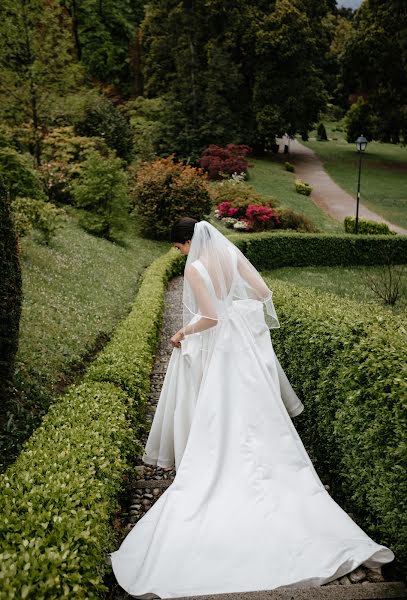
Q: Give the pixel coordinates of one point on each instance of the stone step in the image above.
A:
(151, 483)
(365, 591)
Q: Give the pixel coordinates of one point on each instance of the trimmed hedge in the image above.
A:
(282, 249)
(58, 498)
(349, 365)
(366, 226)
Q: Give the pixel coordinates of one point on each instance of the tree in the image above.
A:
(288, 90)
(10, 297)
(36, 62)
(374, 64)
(107, 40)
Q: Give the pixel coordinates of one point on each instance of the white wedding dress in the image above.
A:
(246, 510)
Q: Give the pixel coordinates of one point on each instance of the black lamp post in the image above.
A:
(361, 144)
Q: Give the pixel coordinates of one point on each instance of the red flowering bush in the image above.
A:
(218, 161)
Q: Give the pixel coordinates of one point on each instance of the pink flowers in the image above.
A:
(255, 216)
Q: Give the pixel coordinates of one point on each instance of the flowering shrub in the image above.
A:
(165, 191)
(231, 160)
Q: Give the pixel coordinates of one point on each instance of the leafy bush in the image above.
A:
(349, 367)
(63, 152)
(218, 161)
(281, 249)
(360, 119)
(289, 167)
(18, 175)
(101, 191)
(289, 219)
(365, 226)
(44, 217)
(239, 195)
(164, 191)
(301, 187)
(58, 499)
(321, 133)
(102, 119)
(10, 298)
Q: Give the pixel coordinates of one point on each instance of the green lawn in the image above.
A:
(343, 281)
(384, 172)
(269, 178)
(75, 292)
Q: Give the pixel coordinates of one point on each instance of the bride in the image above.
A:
(246, 510)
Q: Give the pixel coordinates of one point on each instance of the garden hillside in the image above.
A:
(75, 291)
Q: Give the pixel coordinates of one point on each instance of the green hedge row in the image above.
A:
(349, 365)
(272, 250)
(58, 498)
(366, 226)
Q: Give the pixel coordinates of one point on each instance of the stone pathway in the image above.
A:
(148, 483)
(326, 193)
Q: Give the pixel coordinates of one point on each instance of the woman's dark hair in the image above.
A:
(183, 230)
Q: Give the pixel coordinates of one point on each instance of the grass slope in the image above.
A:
(269, 178)
(75, 292)
(343, 281)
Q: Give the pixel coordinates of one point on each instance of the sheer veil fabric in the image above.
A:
(246, 510)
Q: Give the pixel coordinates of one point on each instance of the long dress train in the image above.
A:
(246, 510)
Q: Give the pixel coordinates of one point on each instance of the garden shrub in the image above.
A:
(165, 191)
(290, 219)
(348, 365)
(301, 187)
(101, 191)
(44, 217)
(289, 167)
(10, 298)
(280, 249)
(18, 175)
(58, 500)
(102, 119)
(366, 227)
(218, 161)
(63, 151)
(321, 133)
(145, 115)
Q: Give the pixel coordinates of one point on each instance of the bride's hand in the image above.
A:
(177, 338)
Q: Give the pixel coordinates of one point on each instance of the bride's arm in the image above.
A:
(255, 282)
(204, 302)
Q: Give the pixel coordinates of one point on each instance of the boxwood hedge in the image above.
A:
(348, 363)
(281, 249)
(58, 498)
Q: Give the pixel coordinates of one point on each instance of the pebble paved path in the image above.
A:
(326, 193)
(148, 483)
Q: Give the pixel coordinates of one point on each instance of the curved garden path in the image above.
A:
(147, 483)
(326, 193)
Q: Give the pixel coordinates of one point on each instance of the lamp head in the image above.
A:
(361, 143)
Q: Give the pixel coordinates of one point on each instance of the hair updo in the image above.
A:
(183, 230)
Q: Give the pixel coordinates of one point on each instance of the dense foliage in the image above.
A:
(373, 65)
(366, 226)
(281, 249)
(219, 162)
(10, 298)
(57, 501)
(164, 191)
(235, 72)
(101, 191)
(342, 362)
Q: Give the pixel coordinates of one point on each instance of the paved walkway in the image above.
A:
(326, 193)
